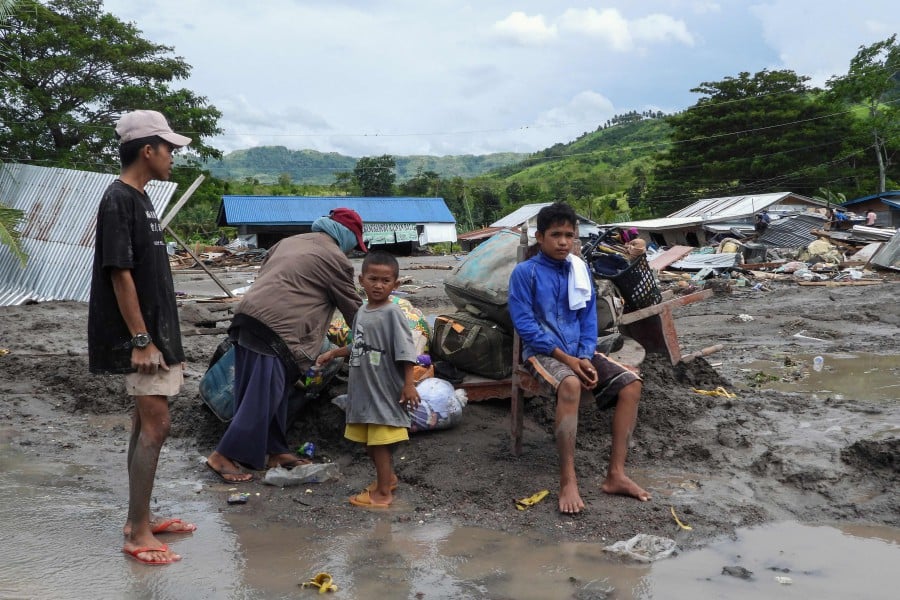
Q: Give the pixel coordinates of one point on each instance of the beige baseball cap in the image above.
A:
(146, 123)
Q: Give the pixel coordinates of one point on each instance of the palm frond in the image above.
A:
(10, 219)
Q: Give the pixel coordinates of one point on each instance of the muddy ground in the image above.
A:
(721, 463)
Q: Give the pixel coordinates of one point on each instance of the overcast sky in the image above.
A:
(454, 77)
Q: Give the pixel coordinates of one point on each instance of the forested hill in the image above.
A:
(267, 163)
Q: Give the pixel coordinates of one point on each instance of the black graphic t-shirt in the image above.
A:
(129, 236)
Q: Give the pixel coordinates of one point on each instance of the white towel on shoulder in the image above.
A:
(579, 283)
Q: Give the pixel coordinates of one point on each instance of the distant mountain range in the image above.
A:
(267, 163)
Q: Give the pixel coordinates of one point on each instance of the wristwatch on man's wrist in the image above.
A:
(141, 340)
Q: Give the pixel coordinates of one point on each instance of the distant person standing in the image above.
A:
(871, 217)
(133, 319)
(762, 222)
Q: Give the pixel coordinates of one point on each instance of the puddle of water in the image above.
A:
(62, 538)
(857, 376)
(820, 562)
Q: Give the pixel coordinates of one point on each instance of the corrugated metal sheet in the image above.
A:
(662, 223)
(303, 210)
(730, 206)
(792, 232)
(520, 215)
(885, 196)
(60, 208)
(697, 261)
(888, 256)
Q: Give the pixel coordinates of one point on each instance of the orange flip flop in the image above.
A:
(364, 500)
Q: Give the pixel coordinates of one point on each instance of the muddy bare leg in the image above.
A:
(382, 458)
(152, 427)
(568, 397)
(623, 424)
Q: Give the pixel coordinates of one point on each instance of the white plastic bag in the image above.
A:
(440, 405)
(311, 473)
(644, 547)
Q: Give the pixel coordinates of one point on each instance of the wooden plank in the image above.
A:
(656, 309)
(667, 257)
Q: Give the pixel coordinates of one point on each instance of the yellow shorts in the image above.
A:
(375, 435)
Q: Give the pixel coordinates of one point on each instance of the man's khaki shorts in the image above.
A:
(162, 383)
(611, 376)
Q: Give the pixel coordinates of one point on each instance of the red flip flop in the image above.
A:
(365, 500)
(163, 527)
(134, 554)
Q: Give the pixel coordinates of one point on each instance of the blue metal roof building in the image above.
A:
(885, 204)
(390, 220)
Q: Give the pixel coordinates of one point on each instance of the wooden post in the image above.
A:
(517, 399)
(164, 222)
(200, 262)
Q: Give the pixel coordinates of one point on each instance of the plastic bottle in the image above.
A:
(818, 363)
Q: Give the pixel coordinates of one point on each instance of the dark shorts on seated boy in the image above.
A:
(611, 376)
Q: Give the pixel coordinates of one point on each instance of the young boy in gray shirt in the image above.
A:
(381, 390)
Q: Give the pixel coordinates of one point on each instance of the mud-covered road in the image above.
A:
(721, 463)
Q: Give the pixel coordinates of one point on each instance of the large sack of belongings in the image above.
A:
(480, 285)
(473, 344)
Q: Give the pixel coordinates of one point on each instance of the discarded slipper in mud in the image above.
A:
(165, 526)
(364, 499)
(134, 554)
(224, 473)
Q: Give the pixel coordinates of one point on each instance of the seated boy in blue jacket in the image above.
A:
(553, 308)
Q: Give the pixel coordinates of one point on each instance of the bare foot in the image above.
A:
(570, 502)
(160, 525)
(286, 460)
(226, 469)
(395, 481)
(153, 552)
(622, 485)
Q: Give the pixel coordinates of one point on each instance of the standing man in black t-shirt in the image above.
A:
(133, 319)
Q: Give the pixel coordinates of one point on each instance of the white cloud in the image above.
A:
(661, 28)
(585, 109)
(608, 24)
(521, 29)
(702, 8)
(621, 34)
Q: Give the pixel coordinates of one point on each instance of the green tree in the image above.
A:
(10, 218)
(873, 81)
(750, 134)
(424, 184)
(375, 175)
(72, 70)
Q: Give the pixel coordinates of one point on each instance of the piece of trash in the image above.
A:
(677, 520)
(311, 473)
(4, 351)
(240, 498)
(308, 449)
(737, 572)
(784, 580)
(719, 391)
(799, 335)
(530, 501)
(744, 318)
(818, 363)
(643, 547)
(323, 581)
